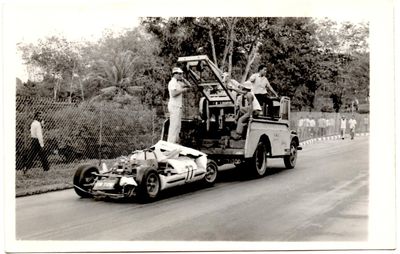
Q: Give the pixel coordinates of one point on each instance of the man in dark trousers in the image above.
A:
(245, 103)
(37, 144)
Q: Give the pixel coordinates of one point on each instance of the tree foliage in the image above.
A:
(56, 58)
(308, 60)
(347, 46)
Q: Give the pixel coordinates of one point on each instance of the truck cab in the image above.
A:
(210, 131)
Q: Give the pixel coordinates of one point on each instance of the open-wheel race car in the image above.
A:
(145, 173)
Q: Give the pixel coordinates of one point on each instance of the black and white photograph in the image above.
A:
(213, 126)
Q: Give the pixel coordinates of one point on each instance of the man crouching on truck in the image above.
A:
(245, 103)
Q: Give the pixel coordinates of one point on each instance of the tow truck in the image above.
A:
(210, 132)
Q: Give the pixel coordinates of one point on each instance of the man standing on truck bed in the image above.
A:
(176, 87)
(263, 90)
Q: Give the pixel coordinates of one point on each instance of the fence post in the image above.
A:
(100, 131)
(152, 125)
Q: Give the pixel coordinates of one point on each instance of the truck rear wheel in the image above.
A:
(290, 160)
(258, 163)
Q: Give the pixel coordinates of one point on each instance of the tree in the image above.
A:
(294, 64)
(347, 46)
(231, 41)
(125, 64)
(56, 58)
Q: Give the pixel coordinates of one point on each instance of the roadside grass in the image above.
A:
(36, 181)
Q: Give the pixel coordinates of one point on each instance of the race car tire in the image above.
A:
(290, 160)
(258, 163)
(149, 187)
(211, 173)
(84, 179)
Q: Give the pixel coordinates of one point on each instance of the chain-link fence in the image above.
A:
(74, 132)
(86, 130)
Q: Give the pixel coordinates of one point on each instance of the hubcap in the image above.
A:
(211, 173)
(88, 179)
(260, 160)
(152, 184)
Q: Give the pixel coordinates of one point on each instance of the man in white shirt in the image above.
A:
(306, 125)
(37, 144)
(331, 128)
(312, 127)
(176, 87)
(300, 127)
(321, 126)
(352, 125)
(366, 123)
(343, 123)
(263, 90)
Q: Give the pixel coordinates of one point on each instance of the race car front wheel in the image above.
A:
(84, 180)
(149, 187)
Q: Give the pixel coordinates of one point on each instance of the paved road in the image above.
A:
(325, 198)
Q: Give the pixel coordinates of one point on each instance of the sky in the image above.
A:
(83, 20)
(75, 23)
(72, 21)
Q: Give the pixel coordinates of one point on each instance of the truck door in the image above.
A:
(284, 134)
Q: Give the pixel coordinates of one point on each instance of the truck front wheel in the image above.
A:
(290, 160)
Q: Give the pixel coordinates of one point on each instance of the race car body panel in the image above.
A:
(145, 172)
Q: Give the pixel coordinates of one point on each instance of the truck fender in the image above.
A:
(265, 139)
(249, 150)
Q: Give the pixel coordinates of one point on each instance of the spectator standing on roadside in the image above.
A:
(37, 144)
(366, 123)
(300, 127)
(176, 87)
(306, 126)
(331, 126)
(343, 123)
(321, 126)
(312, 127)
(263, 90)
(352, 125)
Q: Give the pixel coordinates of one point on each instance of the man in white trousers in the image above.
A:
(176, 87)
(343, 123)
(352, 125)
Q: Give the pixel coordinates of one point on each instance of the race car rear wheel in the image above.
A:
(290, 160)
(84, 180)
(211, 172)
(149, 187)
